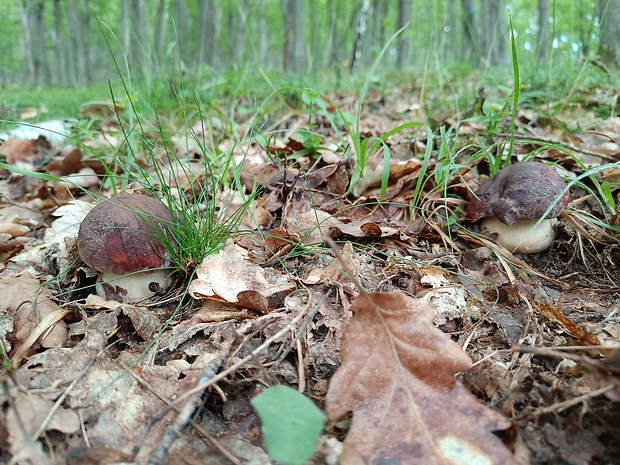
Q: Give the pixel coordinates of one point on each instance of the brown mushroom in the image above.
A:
(119, 238)
(513, 203)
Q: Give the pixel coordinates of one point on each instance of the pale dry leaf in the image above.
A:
(312, 225)
(333, 273)
(229, 277)
(30, 305)
(450, 301)
(93, 301)
(30, 410)
(397, 377)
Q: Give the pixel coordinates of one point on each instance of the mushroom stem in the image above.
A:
(133, 287)
(522, 236)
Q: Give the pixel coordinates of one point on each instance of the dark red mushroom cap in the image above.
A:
(119, 235)
(521, 191)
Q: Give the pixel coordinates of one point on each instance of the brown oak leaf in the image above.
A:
(397, 377)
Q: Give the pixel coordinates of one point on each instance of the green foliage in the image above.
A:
(291, 424)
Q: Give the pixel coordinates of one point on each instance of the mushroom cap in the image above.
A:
(119, 235)
(521, 191)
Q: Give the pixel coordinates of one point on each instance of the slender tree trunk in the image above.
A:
(288, 26)
(385, 11)
(314, 36)
(25, 13)
(78, 31)
(207, 32)
(585, 28)
(494, 44)
(159, 36)
(233, 36)
(470, 35)
(124, 26)
(262, 33)
(183, 30)
(243, 10)
(360, 34)
(609, 47)
(61, 64)
(332, 44)
(85, 16)
(448, 40)
(501, 31)
(544, 36)
(139, 50)
(404, 17)
(298, 34)
(38, 43)
(375, 22)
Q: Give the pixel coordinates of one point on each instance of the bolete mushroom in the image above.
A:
(119, 238)
(514, 201)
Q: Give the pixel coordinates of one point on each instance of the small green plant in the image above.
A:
(291, 424)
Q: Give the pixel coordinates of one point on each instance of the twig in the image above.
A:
(309, 318)
(300, 368)
(560, 406)
(61, 399)
(194, 424)
(173, 432)
(201, 387)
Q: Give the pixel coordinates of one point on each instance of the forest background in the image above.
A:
(80, 42)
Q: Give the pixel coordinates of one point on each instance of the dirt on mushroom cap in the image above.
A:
(120, 234)
(521, 191)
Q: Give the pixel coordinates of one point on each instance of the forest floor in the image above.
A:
(530, 336)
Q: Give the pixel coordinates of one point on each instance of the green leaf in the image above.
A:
(291, 424)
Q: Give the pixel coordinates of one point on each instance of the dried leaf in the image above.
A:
(26, 153)
(397, 377)
(37, 320)
(556, 315)
(227, 276)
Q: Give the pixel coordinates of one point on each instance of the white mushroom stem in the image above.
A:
(134, 287)
(522, 236)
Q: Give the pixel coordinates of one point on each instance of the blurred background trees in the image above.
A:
(75, 42)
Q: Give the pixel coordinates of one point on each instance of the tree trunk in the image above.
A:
(183, 30)
(332, 44)
(544, 36)
(85, 48)
(124, 26)
(207, 32)
(585, 27)
(25, 13)
(237, 16)
(314, 36)
(381, 13)
(404, 17)
(78, 31)
(360, 34)
(139, 51)
(298, 37)
(609, 46)
(159, 36)
(494, 44)
(38, 43)
(449, 37)
(262, 33)
(243, 10)
(471, 42)
(61, 65)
